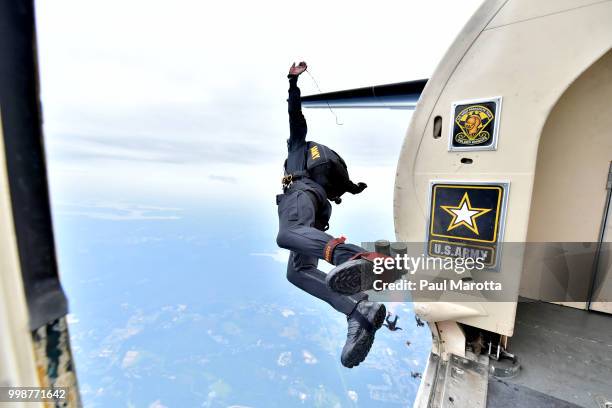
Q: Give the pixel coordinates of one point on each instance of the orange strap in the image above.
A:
(328, 252)
(370, 256)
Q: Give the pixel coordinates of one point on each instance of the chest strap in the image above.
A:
(288, 179)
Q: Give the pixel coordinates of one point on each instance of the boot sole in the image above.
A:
(364, 344)
(350, 278)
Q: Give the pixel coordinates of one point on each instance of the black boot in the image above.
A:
(362, 325)
(354, 276)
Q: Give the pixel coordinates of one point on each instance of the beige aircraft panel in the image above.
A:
(517, 62)
(516, 11)
(17, 363)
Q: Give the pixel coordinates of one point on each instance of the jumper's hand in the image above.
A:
(360, 187)
(297, 70)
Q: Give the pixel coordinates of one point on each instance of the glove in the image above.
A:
(295, 71)
(358, 188)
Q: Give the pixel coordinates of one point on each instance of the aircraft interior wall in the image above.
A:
(570, 196)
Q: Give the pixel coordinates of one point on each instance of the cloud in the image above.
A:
(87, 149)
(309, 358)
(142, 240)
(284, 359)
(117, 211)
(119, 109)
(280, 255)
(223, 179)
(71, 318)
(157, 404)
(112, 344)
(122, 334)
(130, 358)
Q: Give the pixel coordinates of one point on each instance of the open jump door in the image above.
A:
(570, 211)
(508, 153)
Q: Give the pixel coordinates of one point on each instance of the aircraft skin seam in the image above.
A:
(548, 15)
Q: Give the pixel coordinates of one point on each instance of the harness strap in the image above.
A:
(328, 252)
(369, 256)
(288, 179)
(300, 174)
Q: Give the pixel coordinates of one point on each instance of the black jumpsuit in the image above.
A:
(303, 213)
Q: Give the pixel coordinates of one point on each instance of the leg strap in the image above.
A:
(328, 252)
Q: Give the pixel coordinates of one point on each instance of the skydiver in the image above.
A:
(419, 322)
(416, 374)
(314, 175)
(391, 325)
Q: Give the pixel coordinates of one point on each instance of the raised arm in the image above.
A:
(297, 122)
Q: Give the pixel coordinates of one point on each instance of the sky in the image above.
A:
(165, 127)
(146, 97)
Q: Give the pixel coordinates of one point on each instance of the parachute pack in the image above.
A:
(328, 169)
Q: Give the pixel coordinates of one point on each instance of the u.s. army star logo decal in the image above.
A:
(464, 214)
(467, 211)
